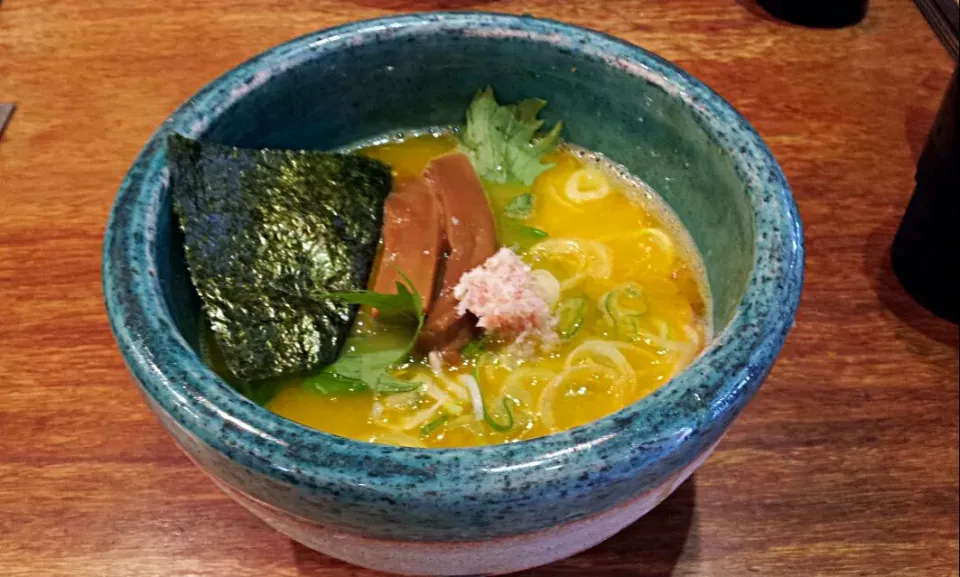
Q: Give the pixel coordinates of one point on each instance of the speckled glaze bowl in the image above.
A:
(494, 509)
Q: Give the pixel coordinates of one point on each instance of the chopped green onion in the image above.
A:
(495, 425)
(486, 415)
(534, 232)
(622, 308)
(433, 425)
(571, 316)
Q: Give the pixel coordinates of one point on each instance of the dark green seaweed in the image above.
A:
(269, 233)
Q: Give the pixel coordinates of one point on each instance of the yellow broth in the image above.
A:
(664, 309)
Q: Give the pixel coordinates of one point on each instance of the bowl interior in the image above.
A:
(374, 88)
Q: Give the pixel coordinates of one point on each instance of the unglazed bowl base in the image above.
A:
(494, 557)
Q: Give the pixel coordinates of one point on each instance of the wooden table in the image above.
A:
(846, 464)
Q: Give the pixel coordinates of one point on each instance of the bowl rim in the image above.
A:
(666, 423)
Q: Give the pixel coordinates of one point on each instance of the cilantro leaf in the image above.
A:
(502, 141)
(359, 370)
(521, 207)
(517, 237)
(361, 367)
(403, 306)
(332, 384)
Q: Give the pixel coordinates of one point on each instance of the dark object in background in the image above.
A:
(6, 111)
(944, 18)
(817, 13)
(924, 254)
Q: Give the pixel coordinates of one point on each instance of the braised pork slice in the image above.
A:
(471, 238)
(412, 237)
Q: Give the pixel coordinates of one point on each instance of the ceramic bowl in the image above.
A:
(494, 509)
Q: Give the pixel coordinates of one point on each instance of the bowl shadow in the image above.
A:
(650, 547)
(759, 11)
(917, 123)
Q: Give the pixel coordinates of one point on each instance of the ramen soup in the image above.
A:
(513, 286)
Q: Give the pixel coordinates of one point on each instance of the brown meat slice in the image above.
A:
(412, 237)
(471, 238)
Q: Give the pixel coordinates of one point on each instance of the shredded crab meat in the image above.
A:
(503, 294)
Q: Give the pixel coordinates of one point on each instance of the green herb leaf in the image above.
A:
(387, 383)
(360, 367)
(521, 207)
(402, 306)
(518, 237)
(502, 141)
(332, 384)
(363, 367)
(474, 348)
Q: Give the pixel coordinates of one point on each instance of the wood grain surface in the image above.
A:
(846, 464)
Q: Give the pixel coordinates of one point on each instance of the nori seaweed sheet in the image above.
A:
(267, 234)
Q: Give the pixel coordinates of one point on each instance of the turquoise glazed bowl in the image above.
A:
(493, 509)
